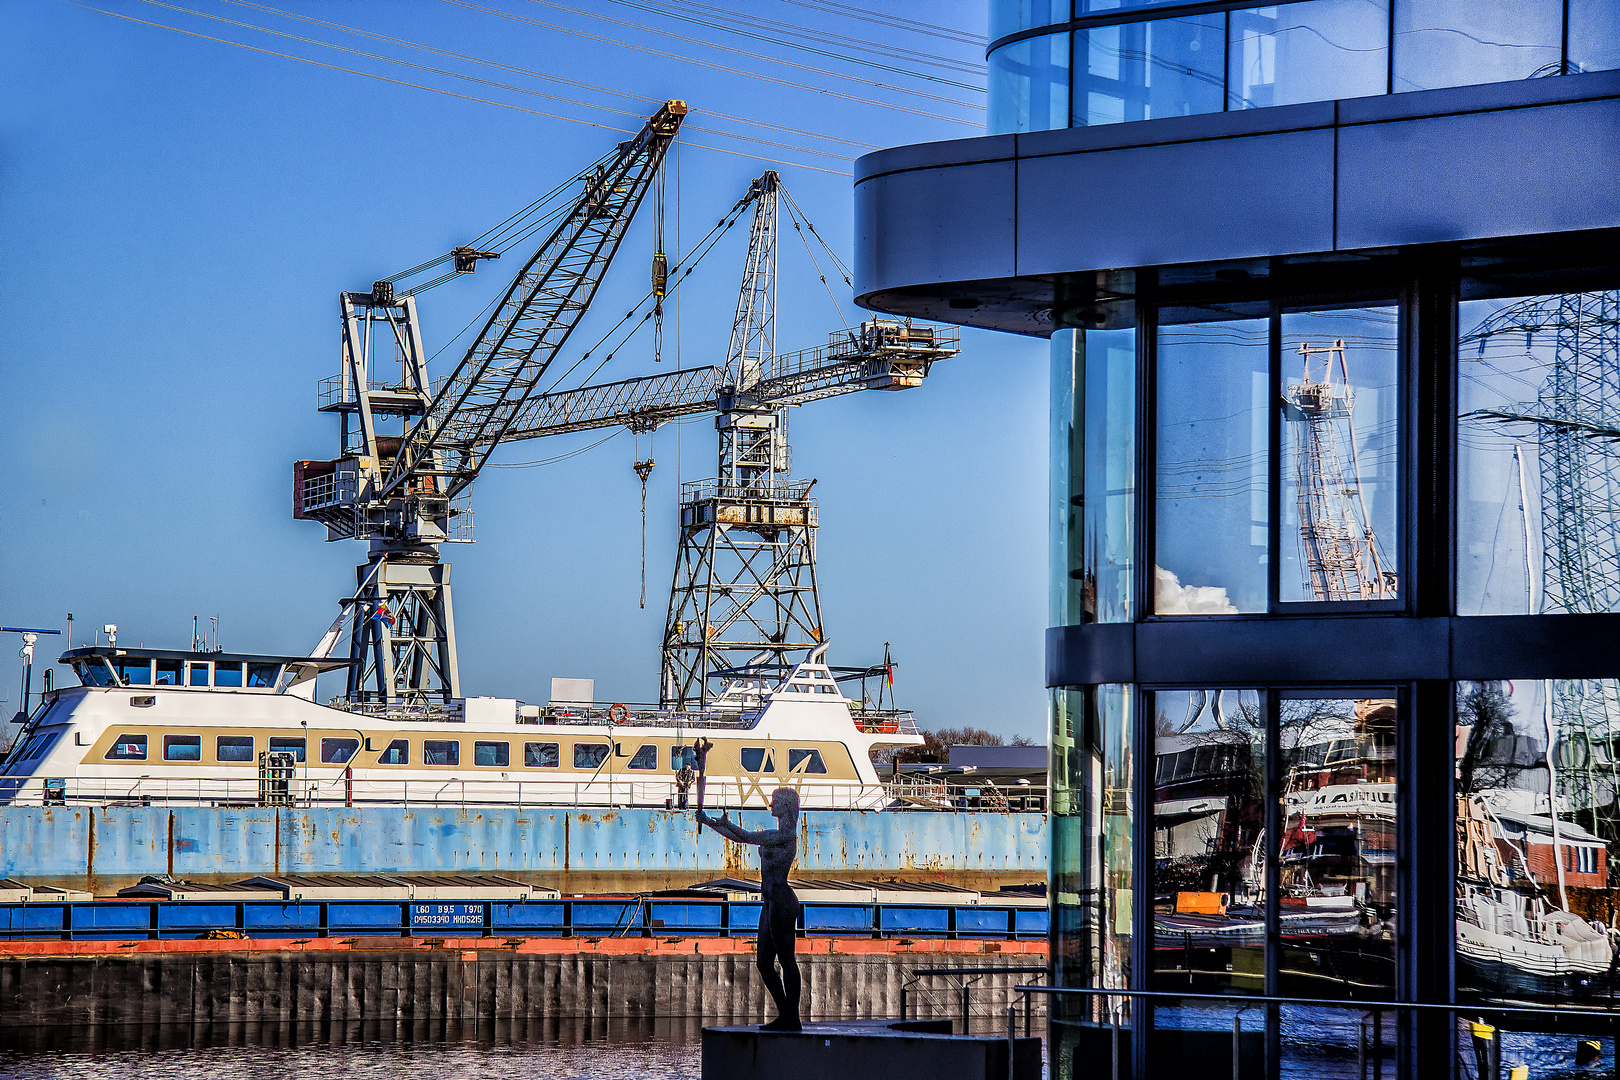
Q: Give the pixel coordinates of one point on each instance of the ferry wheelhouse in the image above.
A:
(152, 725)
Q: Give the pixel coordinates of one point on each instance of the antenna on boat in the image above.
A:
(30, 636)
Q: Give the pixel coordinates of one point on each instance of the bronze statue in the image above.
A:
(779, 912)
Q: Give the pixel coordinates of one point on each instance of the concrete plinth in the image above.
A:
(866, 1050)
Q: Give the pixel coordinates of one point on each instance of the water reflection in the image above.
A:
(565, 1049)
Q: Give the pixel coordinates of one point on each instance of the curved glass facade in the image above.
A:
(1055, 64)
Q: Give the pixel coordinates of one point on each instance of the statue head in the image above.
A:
(784, 803)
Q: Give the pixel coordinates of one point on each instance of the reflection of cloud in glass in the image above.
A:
(1171, 597)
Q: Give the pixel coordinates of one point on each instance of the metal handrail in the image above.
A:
(918, 974)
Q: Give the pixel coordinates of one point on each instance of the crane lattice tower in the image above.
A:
(1577, 423)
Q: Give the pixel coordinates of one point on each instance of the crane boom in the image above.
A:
(545, 301)
(885, 354)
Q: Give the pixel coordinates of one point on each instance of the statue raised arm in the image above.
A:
(779, 911)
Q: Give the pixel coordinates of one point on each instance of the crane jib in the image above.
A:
(547, 298)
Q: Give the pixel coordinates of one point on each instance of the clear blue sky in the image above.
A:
(178, 216)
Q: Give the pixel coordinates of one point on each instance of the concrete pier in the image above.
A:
(45, 983)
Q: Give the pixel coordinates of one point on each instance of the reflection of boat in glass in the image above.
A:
(1510, 937)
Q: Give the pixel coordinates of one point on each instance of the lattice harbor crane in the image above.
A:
(747, 549)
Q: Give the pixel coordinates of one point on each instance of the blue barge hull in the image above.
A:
(105, 848)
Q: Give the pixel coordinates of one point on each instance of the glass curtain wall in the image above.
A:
(1127, 65)
(1093, 476)
(1091, 879)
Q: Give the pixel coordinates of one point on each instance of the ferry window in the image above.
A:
(168, 673)
(441, 752)
(757, 759)
(806, 761)
(646, 757)
(540, 755)
(262, 674)
(134, 672)
(496, 754)
(182, 748)
(227, 674)
(197, 674)
(128, 748)
(338, 751)
(295, 747)
(93, 673)
(37, 746)
(397, 752)
(590, 755)
(233, 748)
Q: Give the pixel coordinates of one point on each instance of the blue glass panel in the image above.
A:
(927, 920)
(1149, 70)
(1594, 35)
(1316, 51)
(985, 921)
(529, 916)
(365, 916)
(837, 918)
(1212, 510)
(1464, 42)
(1011, 16)
(1029, 85)
(293, 917)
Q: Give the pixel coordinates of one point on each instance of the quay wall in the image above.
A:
(104, 848)
(93, 984)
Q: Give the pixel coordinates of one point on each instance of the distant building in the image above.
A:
(1333, 295)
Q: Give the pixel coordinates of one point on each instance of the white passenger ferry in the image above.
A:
(159, 726)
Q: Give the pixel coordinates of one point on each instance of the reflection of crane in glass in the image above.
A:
(1576, 418)
(1337, 543)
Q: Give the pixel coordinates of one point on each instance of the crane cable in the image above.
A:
(895, 21)
(967, 67)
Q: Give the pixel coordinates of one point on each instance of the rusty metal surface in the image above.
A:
(108, 844)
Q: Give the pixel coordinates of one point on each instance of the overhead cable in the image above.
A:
(469, 78)
(739, 71)
(970, 67)
(777, 39)
(441, 90)
(867, 15)
(645, 103)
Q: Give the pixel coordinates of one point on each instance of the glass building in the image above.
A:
(1333, 295)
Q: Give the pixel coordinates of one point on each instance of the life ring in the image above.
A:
(619, 713)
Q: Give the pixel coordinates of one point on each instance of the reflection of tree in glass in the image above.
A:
(1490, 756)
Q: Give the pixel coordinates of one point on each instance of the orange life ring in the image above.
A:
(619, 713)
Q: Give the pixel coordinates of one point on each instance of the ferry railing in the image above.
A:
(622, 915)
(337, 790)
(1105, 1025)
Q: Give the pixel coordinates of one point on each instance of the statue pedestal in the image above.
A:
(866, 1050)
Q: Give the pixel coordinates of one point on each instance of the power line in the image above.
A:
(725, 48)
(439, 90)
(776, 29)
(895, 21)
(640, 99)
(466, 77)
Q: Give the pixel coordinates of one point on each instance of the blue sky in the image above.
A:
(179, 215)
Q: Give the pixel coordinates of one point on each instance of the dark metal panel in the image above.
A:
(1176, 129)
(1535, 647)
(931, 225)
(1508, 173)
(1291, 650)
(1088, 655)
(1189, 202)
(932, 154)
